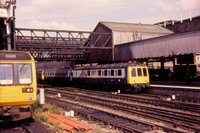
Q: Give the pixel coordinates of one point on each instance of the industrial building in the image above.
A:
(124, 33)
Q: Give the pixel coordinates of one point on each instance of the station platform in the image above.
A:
(178, 88)
(176, 83)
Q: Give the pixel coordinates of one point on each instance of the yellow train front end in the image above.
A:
(17, 85)
(138, 77)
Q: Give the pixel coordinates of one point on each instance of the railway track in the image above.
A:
(147, 99)
(125, 124)
(151, 116)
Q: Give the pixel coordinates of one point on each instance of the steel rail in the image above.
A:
(92, 100)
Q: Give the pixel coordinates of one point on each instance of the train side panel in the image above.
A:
(112, 76)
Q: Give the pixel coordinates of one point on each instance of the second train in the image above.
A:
(131, 77)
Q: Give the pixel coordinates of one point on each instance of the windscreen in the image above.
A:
(16, 73)
(6, 74)
(133, 72)
(25, 73)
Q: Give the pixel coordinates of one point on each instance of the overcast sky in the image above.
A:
(85, 14)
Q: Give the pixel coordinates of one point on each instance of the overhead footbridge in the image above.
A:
(65, 45)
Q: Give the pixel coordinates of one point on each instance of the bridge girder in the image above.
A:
(46, 44)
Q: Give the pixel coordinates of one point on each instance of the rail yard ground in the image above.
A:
(107, 112)
(128, 112)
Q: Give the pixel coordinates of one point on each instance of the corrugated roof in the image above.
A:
(184, 43)
(140, 28)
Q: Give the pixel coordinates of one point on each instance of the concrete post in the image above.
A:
(41, 96)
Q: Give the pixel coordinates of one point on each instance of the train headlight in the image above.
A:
(27, 90)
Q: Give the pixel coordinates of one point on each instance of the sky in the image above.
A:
(84, 15)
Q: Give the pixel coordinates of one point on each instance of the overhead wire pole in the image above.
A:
(13, 44)
(7, 16)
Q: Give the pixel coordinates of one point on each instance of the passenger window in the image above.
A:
(99, 72)
(112, 72)
(94, 73)
(83, 73)
(133, 72)
(144, 71)
(102, 73)
(139, 71)
(116, 72)
(109, 73)
(105, 73)
(88, 73)
(74, 73)
(120, 72)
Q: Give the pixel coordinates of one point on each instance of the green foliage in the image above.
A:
(35, 106)
(53, 108)
(38, 110)
(42, 117)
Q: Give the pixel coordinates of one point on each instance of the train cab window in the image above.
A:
(119, 72)
(139, 72)
(6, 74)
(112, 73)
(133, 72)
(144, 71)
(25, 73)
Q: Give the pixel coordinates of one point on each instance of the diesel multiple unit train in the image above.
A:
(17, 85)
(123, 76)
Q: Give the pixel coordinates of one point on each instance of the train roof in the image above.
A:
(118, 65)
(14, 55)
(54, 69)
